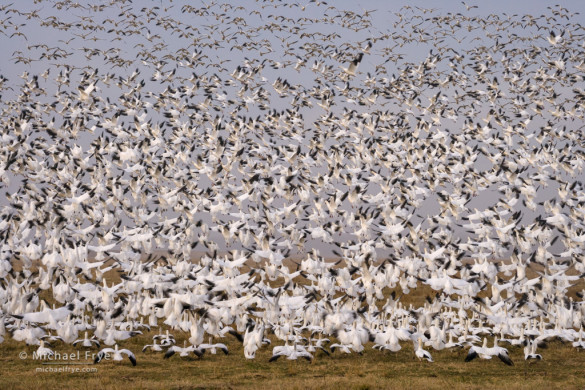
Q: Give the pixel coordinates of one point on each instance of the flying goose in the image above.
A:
(487, 353)
(183, 351)
(116, 355)
(87, 342)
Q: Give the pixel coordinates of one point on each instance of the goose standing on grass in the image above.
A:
(116, 355)
(421, 353)
(580, 344)
(44, 352)
(530, 351)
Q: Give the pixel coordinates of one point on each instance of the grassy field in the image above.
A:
(563, 367)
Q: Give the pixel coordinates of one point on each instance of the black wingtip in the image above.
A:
(236, 335)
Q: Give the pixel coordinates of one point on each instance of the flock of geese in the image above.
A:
(320, 164)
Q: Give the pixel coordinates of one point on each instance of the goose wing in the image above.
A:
(130, 356)
(223, 348)
(101, 354)
(170, 352)
(503, 355)
(472, 354)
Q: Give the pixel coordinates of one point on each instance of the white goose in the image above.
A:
(292, 352)
(44, 352)
(213, 347)
(153, 347)
(87, 342)
(183, 351)
(487, 353)
(421, 353)
(117, 355)
(530, 351)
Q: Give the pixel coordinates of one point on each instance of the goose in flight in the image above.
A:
(292, 352)
(183, 351)
(116, 355)
(351, 69)
(213, 347)
(47, 315)
(253, 338)
(87, 342)
(153, 347)
(484, 352)
(166, 339)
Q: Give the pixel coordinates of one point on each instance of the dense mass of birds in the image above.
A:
(291, 172)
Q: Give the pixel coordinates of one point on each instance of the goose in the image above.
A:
(183, 351)
(450, 344)
(112, 335)
(579, 343)
(420, 353)
(87, 342)
(165, 339)
(487, 353)
(555, 38)
(390, 338)
(351, 69)
(317, 344)
(44, 352)
(213, 347)
(345, 348)
(31, 335)
(153, 347)
(355, 336)
(253, 339)
(116, 355)
(530, 351)
(292, 352)
(47, 315)
(68, 330)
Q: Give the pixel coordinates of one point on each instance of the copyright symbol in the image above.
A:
(23, 355)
